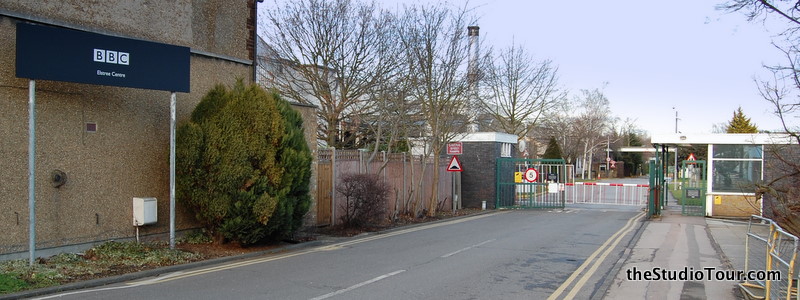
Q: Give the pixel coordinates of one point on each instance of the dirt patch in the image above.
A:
(401, 221)
(209, 251)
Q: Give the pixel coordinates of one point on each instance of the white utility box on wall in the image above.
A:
(145, 211)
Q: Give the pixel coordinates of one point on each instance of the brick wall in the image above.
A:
(735, 205)
(478, 180)
(775, 168)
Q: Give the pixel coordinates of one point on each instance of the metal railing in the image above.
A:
(768, 247)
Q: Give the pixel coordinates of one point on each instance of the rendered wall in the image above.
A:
(309, 114)
(128, 154)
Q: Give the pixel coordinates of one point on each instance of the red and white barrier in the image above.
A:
(606, 193)
(608, 184)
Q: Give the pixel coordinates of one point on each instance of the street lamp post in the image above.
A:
(675, 174)
(608, 156)
(676, 119)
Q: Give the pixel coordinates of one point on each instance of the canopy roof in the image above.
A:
(684, 139)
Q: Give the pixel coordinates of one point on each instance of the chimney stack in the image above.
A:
(472, 33)
(472, 74)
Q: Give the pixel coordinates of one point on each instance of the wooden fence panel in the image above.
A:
(398, 175)
(324, 188)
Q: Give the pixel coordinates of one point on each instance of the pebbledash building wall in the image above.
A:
(111, 142)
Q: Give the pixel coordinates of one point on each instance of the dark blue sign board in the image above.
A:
(52, 53)
(692, 193)
(552, 177)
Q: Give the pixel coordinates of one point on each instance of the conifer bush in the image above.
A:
(553, 150)
(243, 165)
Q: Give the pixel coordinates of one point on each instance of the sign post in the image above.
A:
(454, 149)
(53, 53)
(172, 105)
(31, 171)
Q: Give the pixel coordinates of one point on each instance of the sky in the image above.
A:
(646, 56)
(650, 58)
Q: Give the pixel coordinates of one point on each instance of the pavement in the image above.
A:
(681, 243)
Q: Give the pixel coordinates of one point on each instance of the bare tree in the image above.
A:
(518, 90)
(331, 54)
(592, 123)
(779, 190)
(393, 117)
(583, 125)
(559, 123)
(436, 54)
(781, 90)
(762, 10)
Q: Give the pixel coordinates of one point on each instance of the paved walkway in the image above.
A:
(677, 243)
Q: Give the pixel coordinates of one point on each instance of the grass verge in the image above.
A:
(108, 259)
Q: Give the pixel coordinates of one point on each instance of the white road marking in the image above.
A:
(467, 248)
(187, 274)
(373, 280)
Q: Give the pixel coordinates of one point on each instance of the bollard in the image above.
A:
(483, 205)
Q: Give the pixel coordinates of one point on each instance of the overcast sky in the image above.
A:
(653, 55)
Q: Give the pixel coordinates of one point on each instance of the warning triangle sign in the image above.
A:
(454, 165)
(691, 157)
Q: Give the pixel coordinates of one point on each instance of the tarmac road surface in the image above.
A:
(520, 254)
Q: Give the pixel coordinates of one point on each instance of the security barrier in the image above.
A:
(606, 193)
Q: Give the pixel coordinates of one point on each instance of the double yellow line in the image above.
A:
(595, 261)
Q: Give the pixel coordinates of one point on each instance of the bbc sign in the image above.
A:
(112, 57)
(53, 53)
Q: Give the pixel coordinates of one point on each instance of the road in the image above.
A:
(523, 254)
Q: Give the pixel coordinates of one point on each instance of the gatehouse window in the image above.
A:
(736, 168)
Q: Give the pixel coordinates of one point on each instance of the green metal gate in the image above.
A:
(654, 197)
(514, 190)
(693, 188)
(657, 199)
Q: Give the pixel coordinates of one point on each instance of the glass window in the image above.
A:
(735, 176)
(738, 151)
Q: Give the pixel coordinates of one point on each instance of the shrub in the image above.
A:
(240, 166)
(553, 150)
(294, 157)
(365, 198)
(197, 237)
